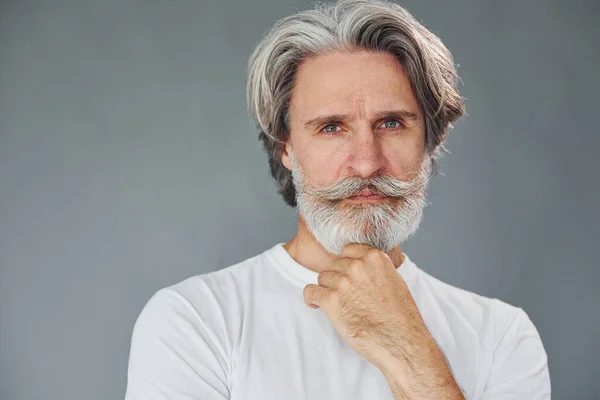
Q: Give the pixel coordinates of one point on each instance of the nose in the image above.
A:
(366, 158)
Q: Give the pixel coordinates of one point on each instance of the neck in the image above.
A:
(308, 252)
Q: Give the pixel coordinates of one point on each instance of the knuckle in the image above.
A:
(322, 277)
(334, 296)
(344, 282)
(373, 255)
(355, 266)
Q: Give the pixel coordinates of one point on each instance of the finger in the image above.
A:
(340, 264)
(315, 295)
(330, 279)
(355, 250)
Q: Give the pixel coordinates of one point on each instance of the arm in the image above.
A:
(372, 309)
(174, 355)
(420, 371)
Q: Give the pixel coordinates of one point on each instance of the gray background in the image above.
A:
(128, 163)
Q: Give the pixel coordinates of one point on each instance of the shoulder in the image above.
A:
(207, 296)
(215, 299)
(199, 314)
(183, 338)
(492, 319)
(508, 342)
(221, 284)
(461, 308)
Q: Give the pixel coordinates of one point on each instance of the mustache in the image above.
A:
(379, 185)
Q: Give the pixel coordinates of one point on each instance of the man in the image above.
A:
(353, 101)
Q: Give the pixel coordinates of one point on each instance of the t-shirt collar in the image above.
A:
(303, 276)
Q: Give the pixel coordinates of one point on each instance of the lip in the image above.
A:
(371, 197)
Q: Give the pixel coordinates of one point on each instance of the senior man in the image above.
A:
(353, 101)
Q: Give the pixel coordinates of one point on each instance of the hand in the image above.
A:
(368, 302)
(372, 309)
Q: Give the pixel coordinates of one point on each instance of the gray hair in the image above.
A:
(348, 25)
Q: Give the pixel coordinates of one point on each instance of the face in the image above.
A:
(356, 150)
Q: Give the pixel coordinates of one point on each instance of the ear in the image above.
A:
(285, 156)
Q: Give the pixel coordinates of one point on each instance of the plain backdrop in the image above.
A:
(128, 162)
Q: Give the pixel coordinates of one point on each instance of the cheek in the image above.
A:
(323, 167)
(404, 158)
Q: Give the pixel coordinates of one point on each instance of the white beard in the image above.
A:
(380, 225)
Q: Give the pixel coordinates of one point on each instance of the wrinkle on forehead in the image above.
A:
(356, 85)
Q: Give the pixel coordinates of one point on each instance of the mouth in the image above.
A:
(367, 196)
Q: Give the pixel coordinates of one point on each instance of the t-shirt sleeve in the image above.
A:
(520, 365)
(174, 353)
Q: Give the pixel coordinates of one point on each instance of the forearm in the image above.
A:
(442, 387)
(426, 376)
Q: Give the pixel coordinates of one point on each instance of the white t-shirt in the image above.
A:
(244, 333)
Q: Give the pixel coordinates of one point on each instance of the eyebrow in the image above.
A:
(404, 115)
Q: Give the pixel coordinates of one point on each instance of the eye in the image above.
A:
(392, 124)
(330, 129)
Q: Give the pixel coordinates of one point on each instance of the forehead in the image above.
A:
(338, 83)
